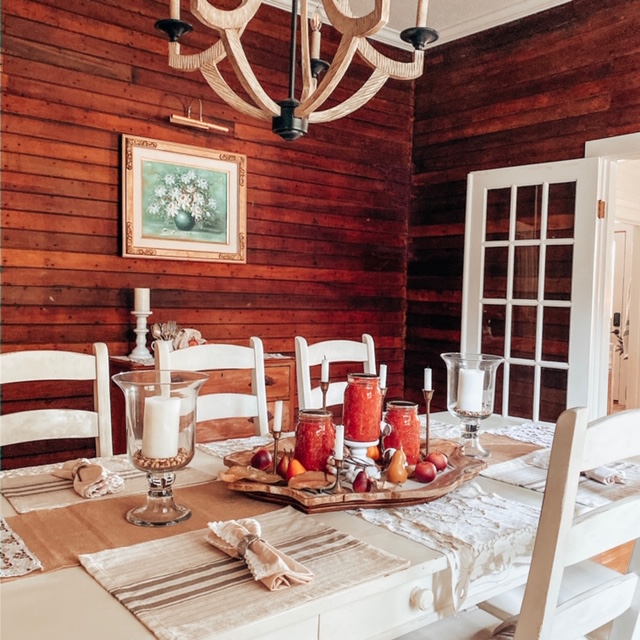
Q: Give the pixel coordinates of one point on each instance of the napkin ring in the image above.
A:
(246, 543)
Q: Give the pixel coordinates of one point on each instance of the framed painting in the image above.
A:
(182, 202)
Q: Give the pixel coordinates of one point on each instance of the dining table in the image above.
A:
(397, 568)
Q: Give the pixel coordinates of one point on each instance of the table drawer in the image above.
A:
(377, 614)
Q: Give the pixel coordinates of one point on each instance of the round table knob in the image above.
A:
(422, 598)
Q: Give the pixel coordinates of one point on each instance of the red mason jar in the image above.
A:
(362, 408)
(403, 419)
(315, 439)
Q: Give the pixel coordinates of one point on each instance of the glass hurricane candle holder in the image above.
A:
(160, 409)
(471, 385)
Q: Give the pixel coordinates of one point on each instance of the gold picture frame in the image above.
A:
(183, 202)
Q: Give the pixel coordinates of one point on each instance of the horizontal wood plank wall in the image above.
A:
(531, 91)
(327, 215)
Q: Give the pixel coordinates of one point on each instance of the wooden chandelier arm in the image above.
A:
(341, 61)
(309, 83)
(215, 80)
(221, 19)
(347, 24)
(213, 55)
(354, 102)
(244, 72)
(393, 68)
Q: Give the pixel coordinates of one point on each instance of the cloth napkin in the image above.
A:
(241, 539)
(90, 480)
(603, 475)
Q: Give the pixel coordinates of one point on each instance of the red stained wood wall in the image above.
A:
(327, 214)
(531, 91)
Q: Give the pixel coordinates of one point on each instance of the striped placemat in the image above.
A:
(45, 491)
(182, 587)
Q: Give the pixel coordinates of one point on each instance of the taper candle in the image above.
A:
(316, 23)
(277, 417)
(383, 376)
(324, 373)
(428, 385)
(174, 13)
(338, 449)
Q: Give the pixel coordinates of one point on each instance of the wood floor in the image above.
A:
(617, 558)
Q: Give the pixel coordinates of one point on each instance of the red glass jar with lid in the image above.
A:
(404, 423)
(315, 438)
(362, 408)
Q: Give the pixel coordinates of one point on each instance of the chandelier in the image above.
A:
(291, 116)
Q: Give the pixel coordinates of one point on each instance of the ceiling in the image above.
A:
(452, 19)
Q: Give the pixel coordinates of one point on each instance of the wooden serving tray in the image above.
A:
(461, 469)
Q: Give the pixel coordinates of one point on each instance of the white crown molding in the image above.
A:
(482, 16)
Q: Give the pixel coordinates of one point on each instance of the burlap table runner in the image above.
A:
(503, 448)
(58, 536)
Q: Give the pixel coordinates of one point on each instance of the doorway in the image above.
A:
(623, 152)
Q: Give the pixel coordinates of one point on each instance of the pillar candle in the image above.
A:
(175, 10)
(383, 376)
(338, 449)
(324, 374)
(470, 383)
(161, 427)
(277, 417)
(428, 385)
(142, 300)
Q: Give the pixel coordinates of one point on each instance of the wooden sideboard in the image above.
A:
(280, 380)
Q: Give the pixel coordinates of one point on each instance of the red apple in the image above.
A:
(439, 459)
(425, 472)
(362, 483)
(261, 459)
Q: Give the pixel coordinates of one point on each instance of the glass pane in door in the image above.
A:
(498, 203)
(561, 210)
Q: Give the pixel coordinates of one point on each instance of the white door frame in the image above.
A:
(623, 148)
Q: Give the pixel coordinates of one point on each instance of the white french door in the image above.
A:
(534, 273)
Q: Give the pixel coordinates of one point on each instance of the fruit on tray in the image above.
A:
(397, 471)
(261, 459)
(362, 483)
(283, 465)
(425, 471)
(294, 469)
(439, 459)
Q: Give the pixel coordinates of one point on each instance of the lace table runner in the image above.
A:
(480, 533)
(17, 560)
(530, 472)
(184, 588)
(34, 488)
(538, 433)
(224, 448)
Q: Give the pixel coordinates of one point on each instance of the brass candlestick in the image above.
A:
(324, 387)
(428, 395)
(338, 486)
(276, 438)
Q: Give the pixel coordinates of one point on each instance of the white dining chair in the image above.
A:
(568, 595)
(49, 424)
(251, 404)
(308, 356)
